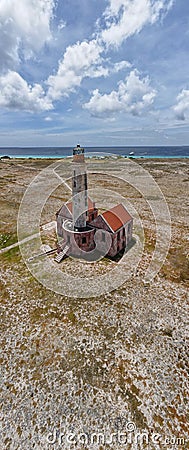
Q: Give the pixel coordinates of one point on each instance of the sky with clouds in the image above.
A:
(98, 72)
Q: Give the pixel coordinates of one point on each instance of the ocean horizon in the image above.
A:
(124, 151)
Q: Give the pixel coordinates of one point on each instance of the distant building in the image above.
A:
(78, 221)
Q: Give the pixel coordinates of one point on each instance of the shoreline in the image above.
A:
(68, 157)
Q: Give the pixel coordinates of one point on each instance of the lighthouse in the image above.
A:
(85, 233)
(79, 190)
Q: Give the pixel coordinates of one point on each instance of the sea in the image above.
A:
(63, 152)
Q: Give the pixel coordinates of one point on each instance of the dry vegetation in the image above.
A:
(91, 365)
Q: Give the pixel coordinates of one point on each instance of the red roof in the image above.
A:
(91, 205)
(116, 217)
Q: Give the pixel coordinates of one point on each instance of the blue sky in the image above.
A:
(98, 72)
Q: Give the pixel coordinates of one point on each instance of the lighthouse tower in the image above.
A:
(79, 190)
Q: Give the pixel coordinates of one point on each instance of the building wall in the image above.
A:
(100, 223)
(59, 220)
(121, 238)
(64, 214)
(130, 230)
(92, 214)
(79, 241)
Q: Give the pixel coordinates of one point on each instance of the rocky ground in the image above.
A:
(111, 363)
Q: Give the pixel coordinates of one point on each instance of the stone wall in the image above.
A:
(79, 241)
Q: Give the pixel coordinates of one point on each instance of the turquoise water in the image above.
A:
(63, 152)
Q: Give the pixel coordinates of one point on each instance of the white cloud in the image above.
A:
(126, 17)
(80, 60)
(61, 25)
(96, 72)
(181, 109)
(84, 59)
(48, 119)
(100, 71)
(24, 26)
(105, 104)
(133, 96)
(16, 94)
(121, 65)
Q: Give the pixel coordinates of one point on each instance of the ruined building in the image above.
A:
(82, 231)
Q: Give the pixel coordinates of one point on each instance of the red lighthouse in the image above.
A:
(79, 223)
